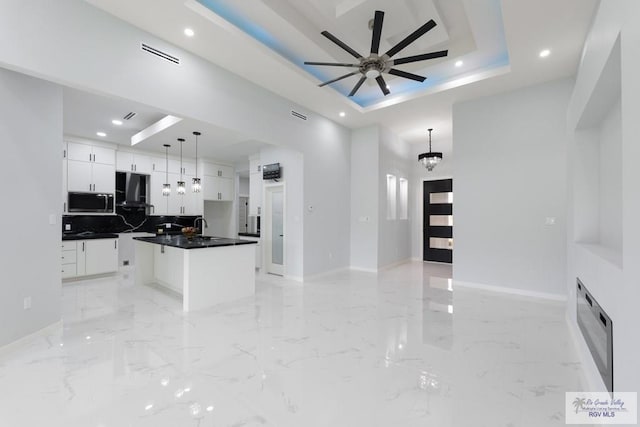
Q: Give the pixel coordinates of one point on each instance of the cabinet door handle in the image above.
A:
(89, 157)
(82, 246)
(135, 168)
(115, 244)
(131, 167)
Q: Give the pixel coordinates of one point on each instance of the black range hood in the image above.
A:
(132, 190)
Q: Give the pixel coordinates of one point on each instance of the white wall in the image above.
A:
(243, 186)
(365, 160)
(50, 47)
(31, 134)
(611, 276)
(610, 173)
(292, 168)
(394, 240)
(510, 175)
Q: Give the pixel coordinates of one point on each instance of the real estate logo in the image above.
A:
(601, 408)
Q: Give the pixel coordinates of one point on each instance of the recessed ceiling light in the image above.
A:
(189, 32)
(342, 114)
(544, 53)
(102, 134)
(388, 87)
(459, 63)
(117, 122)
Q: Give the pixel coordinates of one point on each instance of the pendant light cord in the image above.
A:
(430, 139)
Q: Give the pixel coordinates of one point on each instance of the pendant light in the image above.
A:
(196, 187)
(166, 187)
(431, 159)
(181, 187)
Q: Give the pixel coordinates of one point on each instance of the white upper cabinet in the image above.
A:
(127, 161)
(214, 169)
(215, 188)
(91, 153)
(90, 168)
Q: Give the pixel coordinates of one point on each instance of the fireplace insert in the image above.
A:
(597, 330)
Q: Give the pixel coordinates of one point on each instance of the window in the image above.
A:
(391, 197)
(404, 198)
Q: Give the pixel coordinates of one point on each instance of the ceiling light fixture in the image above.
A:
(459, 64)
(117, 122)
(101, 134)
(181, 187)
(431, 159)
(189, 32)
(342, 114)
(166, 187)
(196, 186)
(544, 53)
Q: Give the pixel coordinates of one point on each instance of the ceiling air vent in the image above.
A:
(160, 54)
(129, 115)
(298, 115)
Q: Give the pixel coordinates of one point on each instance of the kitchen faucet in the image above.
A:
(204, 221)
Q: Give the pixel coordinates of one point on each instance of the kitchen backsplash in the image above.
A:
(123, 223)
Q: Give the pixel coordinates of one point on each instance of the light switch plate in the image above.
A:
(52, 219)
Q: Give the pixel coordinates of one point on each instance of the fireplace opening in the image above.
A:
(597, 330)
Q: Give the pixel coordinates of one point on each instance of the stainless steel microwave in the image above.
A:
(90, 202)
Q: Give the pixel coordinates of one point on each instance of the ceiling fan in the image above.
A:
(374, 65)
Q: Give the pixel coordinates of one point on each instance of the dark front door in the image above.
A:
(438, 220)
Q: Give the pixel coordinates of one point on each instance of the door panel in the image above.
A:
(437, 221)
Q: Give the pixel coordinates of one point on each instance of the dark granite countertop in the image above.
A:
(87, 235)
(197, 242)
(249, 234)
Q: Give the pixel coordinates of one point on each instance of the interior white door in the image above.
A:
(275, 236)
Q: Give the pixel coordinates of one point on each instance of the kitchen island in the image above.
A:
(205, 270)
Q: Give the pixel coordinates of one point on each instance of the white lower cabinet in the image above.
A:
(168, 266)
(89, 257)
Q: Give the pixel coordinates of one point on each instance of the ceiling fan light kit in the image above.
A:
(375, 65)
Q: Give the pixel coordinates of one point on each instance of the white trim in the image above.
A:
(511, 291)
(326, 273)
(364, 270)
(590, 372)
(47, 330)
(294, 278)
(394, 264)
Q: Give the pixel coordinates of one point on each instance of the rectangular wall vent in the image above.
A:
(129, 115)
(298, 115)
(160, 54)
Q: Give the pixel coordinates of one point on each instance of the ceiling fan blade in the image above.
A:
(339, 78)
(411, 38)
(357, 86)
(383, 85)
(332, 64)
(340, 43)
(423, 57)
(406, 75)
(377, 31)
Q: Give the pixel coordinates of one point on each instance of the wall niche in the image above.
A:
(598, 166)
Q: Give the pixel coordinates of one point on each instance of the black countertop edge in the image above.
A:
(249, 234)
(182, 242)
(91, 236)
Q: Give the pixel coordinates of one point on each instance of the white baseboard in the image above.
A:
(511, 291)
(321, 275)
(39, 333)
(294, 278)
(364, 270)
(394, 264)
(591, 374)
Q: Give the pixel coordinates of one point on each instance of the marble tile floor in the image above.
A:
(403, 348)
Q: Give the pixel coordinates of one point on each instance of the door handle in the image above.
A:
(282, 235)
